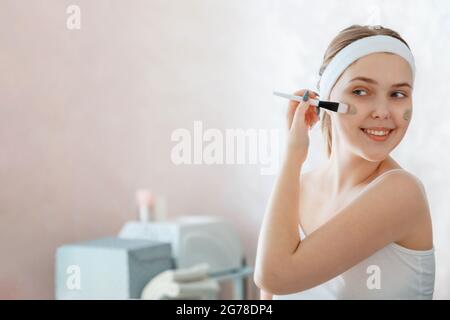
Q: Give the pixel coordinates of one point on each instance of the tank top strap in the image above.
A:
(301, 233)
(386, 172)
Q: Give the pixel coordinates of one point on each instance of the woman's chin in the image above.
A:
(372, 157)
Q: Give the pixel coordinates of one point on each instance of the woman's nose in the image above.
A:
(381, 109)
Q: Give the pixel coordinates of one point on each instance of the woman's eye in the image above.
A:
(399, 94)
(396, 94)
(360, 92)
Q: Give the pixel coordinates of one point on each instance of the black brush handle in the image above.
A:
(332, 106)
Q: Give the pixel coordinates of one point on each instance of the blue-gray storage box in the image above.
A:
(109, 268)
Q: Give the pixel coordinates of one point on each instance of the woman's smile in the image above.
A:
(378, 134)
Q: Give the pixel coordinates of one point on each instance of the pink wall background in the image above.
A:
(86, 119)
(86, 115)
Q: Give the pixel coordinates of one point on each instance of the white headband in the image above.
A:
(358, 49)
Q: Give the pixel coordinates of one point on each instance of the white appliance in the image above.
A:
(194, 240)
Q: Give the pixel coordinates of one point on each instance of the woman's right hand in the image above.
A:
(300, 117)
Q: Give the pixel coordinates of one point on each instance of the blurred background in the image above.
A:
(86, 115)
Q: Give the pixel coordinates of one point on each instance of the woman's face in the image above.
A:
(379, 86)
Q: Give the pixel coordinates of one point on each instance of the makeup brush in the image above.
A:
(329, 105)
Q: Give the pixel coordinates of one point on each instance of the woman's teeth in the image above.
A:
(377, 135)
(376, 132)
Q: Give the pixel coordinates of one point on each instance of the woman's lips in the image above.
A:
(376, 137)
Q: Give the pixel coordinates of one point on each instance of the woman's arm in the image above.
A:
(265, 295)
(279, 236)
(386, 212)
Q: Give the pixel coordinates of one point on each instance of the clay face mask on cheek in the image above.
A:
(407, 115)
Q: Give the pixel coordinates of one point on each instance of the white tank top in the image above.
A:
(394, 272)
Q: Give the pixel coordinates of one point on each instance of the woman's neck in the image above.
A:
(346, 171)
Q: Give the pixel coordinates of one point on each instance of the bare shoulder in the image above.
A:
(407, 194)
(404, 182)
(397, 198)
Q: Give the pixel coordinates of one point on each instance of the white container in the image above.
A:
(109, 268)
(194, 240)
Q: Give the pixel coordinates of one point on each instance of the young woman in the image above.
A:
(359, 226)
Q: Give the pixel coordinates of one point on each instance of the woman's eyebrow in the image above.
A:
(403, 84)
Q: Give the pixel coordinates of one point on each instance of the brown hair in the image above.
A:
(343, 39)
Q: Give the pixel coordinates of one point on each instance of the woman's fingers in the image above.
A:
(294, 104)
(301, 116)
(311, 116)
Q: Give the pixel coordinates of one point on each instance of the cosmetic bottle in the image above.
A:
(146, 205)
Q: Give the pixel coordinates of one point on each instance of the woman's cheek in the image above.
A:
(402, 115)
(349, 124)
(407, 113)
